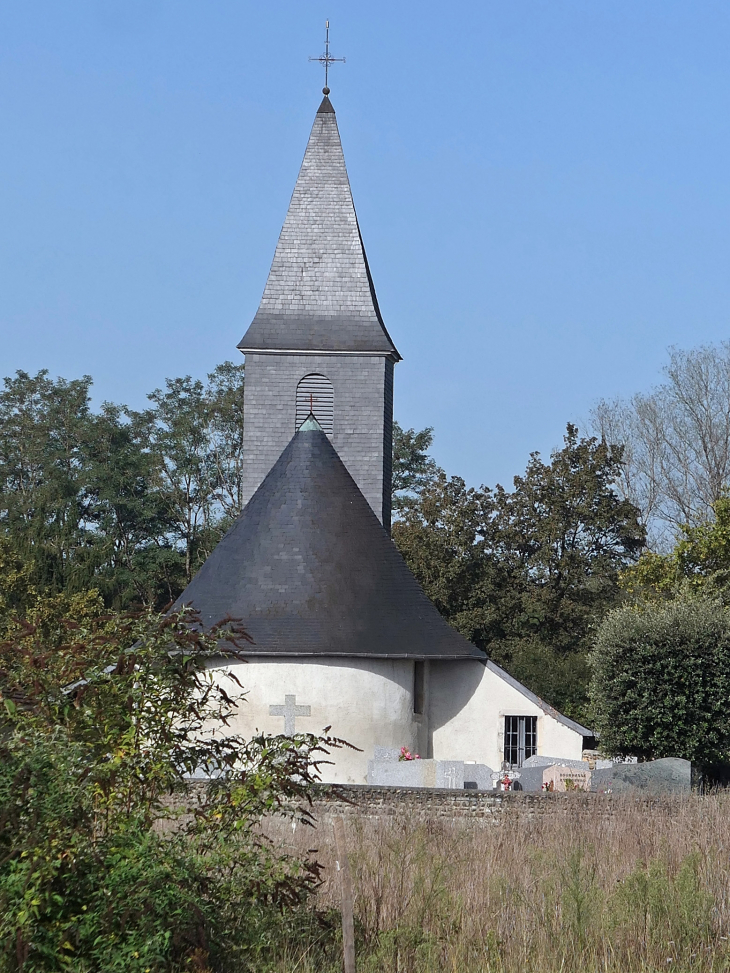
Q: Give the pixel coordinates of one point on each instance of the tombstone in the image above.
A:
(450, 774)
(531, 778)
(478, 777)
(566, 778)
(386, 755)
(402, 773)
(513, 776)
(543, 761)
(596, 761)
(388, 770)
(669, 775)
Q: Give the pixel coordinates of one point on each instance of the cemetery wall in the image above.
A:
(364, 801)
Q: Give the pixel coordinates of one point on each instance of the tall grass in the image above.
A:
(610, 884)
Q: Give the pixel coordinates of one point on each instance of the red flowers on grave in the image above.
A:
(405, 754)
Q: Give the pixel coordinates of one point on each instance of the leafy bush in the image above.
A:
(661, 680)
(112, 857)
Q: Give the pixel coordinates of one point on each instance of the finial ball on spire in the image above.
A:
(325, 90)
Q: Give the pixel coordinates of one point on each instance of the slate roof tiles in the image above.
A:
(319, 295)
(310, 571)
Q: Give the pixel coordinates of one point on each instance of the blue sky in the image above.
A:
(542, 187)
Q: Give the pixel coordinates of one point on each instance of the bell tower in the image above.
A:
(318, 342)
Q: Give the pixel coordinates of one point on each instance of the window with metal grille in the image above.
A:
(316, 395)
(520, 739)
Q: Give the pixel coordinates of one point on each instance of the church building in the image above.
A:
(343, 635)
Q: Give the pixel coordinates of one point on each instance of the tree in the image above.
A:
(180, 444)
(413, 469)
(196, 437)
(526, 574)
(43, 499)
(572, 534)
(135, 561)
(677, 441)
(225, 398)
(448, 537)
(661, 681)
(700, 562)
(110, 856)
(127, 503)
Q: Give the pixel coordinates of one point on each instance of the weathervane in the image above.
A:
(327, 58)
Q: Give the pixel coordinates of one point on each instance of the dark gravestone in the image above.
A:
(531, 778)
(670, 775)
(478, 777)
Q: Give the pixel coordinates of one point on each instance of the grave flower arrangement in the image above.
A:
(405, 754)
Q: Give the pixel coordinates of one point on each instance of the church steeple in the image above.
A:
(319, 295)
(318, 343)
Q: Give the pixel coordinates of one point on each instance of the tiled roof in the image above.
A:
(319, 295)
(310, 571)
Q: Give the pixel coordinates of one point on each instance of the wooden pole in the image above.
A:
(348, 923)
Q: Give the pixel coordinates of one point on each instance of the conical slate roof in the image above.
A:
(319, 295)
(310, 571)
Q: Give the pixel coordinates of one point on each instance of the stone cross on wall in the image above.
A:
(290, 711)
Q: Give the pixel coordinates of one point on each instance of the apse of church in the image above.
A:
(318, 342)
(342, 634)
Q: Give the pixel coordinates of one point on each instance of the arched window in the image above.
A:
(316, 395)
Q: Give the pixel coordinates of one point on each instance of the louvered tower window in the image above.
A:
(316, 395)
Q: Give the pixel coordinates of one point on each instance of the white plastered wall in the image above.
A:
(467, 706)
(369, 703)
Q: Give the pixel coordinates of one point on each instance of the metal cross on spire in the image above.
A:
(327, 58)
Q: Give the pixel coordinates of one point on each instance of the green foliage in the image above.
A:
(43, 500)
(195, 435)
(17, 590)
(447, 539)
(128, 503)
(572, 534)
(561, 678)
(661, 680)
(413, 468)
(700, 561)
(111, 857)
(527, 574)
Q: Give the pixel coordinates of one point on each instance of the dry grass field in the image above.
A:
(602, 884)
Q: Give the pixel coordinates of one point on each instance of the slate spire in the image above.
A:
(319, 295)
(310, 571)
